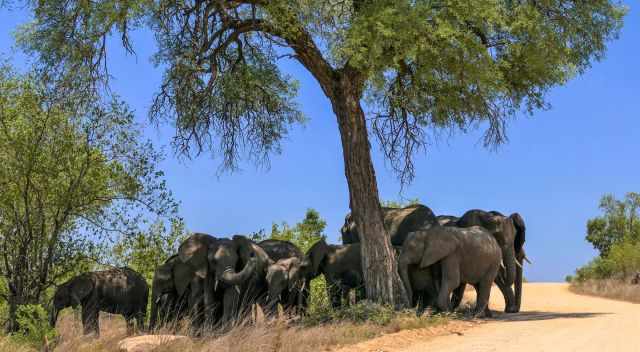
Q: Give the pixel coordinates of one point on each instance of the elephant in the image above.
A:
(510, 234)
(117, 291)
(166, 305)
(341, 267)
(218, 274)
(456, 255)
(285, 283)
(397, 221)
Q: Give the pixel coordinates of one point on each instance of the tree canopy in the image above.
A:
(619, 222)
(73, 178)
(422, 64)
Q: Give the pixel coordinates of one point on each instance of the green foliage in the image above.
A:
(399, 204)
(74, 176)
(620, 222)
(361, 312)
(304, 234)
(145, 251)
(420, 64)
(568, 278)
(622, 260)
(34, 326)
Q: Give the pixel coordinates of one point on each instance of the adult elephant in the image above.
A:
(167, 306)
(341, 267)
(219, 274)
(285, 283)
(510, 234)
(117, 291)
(398, 222)
(458, 256)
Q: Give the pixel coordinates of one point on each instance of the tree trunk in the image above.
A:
(379, 265)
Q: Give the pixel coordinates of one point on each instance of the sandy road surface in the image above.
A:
(552, 319)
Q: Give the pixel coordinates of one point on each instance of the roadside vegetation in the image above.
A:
(616, 235)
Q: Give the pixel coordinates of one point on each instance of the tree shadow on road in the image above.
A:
(537, 315)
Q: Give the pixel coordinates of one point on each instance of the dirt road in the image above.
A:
(552, 319)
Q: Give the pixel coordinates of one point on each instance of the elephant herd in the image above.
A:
(215, 281)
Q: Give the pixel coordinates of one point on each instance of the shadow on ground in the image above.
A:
(536, 315)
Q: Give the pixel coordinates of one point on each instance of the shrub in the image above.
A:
(34, 326)
(622, 260)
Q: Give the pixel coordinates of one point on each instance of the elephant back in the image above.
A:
(399, 222)
(280, 249)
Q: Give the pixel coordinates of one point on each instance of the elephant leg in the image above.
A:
(421, 298)
(333, 291)
(129, 321)
(360, 293)
(345, 297)
(230, 302)
(483, 291)
(90, 316)
(449, 280)
(456, 297)
(195, 302)
(507, 293)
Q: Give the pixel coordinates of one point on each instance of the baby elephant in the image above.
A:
(463, 255)
(118, 291)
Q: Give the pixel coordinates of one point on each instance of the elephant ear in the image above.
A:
(182, 276)
(316, 255)
(438, 245)
(518, 223)
(194, 251)
(248, 249)
(81, 288)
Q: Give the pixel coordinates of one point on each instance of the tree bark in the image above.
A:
(380, 269)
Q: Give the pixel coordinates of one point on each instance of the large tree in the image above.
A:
(619, 222)
(72, 179)
(419, 65)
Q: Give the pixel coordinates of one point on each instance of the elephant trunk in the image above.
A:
(153, 318)
(230, 277)
(518, 280)
(508, 257)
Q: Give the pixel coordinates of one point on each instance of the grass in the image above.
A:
(318, 333)
(608, 288)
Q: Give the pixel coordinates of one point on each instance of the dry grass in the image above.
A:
(609, 288)
(272, 336)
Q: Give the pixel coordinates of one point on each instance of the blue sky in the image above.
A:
(553, 171)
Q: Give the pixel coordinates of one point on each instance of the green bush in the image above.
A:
(622, 260)
(34, 326)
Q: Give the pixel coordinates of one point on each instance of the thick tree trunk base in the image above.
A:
(382, 281)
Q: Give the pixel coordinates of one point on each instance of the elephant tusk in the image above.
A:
(304, 285)
(237, 288)
(518, 264)
(215, 286)
(527, 259)
(502, 266)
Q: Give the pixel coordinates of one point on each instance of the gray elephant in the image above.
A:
(117, 291)
(285, 282)
(215, 275)
(510, 234)
(341, 267)
(456, 255)
(398, 222)
(167, 307)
